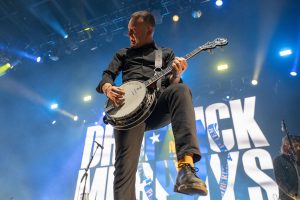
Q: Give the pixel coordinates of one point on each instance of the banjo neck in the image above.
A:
(207, 46)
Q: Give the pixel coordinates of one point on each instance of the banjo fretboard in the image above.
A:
(218, 42)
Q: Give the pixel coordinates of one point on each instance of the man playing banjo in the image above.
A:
(174, 104)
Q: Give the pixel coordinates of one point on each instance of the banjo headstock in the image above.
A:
(218, 42)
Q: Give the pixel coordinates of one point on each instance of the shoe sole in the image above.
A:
(191, 189)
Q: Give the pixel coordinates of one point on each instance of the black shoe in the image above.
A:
(188, 182)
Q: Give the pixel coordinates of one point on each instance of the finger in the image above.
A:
(181, 59)
(183, 67)
(120, 101)
(176, 61)
(116, 95)
(176, 64)
(120, 98)
(183, 64)
(119, 91)
(175, 69)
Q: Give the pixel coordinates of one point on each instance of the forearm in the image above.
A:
(109, 75)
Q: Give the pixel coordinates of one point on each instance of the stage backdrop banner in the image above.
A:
(236, 161)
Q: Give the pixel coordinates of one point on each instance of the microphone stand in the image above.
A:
(85, 175)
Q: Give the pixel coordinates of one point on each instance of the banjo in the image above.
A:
(140, 99)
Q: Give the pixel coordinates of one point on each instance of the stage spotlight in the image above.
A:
(88, 29)
(285, 52)
(222, 67)
(54, 122)
(175, 18)
(54, 106)
(4, 68)
(219, 3)
(38, 59)
(66, 36)
(75, 118)
(254, 82)
(293, 73)
(87, 98)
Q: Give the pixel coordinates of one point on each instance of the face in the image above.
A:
(139, 33)
(296, 147)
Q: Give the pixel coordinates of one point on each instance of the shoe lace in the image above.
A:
(193, 169)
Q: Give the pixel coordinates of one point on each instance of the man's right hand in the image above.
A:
(115, 94)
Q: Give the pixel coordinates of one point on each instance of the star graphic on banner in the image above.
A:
(154, 138)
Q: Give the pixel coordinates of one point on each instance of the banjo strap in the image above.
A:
(158, 66)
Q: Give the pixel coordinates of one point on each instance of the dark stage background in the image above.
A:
(42, 150)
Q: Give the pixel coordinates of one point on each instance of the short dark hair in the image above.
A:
(146, 16)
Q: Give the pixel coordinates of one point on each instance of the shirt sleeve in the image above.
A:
(109, 75)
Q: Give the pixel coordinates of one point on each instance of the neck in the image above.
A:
(149, 41)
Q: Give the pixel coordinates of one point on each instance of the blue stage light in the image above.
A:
(54, 106)
(38, 59)
(293, 73)
(254, 82)
(219, 2)
(285, 52)
(75, 118)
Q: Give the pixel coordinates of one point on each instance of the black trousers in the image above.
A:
(173, 105)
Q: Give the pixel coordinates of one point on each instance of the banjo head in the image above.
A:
(135, 93)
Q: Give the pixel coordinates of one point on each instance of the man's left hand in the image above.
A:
(179, 65)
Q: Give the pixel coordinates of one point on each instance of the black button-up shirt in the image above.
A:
(135, 64)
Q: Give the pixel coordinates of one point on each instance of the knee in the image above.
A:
(181, 89)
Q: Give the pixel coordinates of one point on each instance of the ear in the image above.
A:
(150, 30)
(286, 148)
